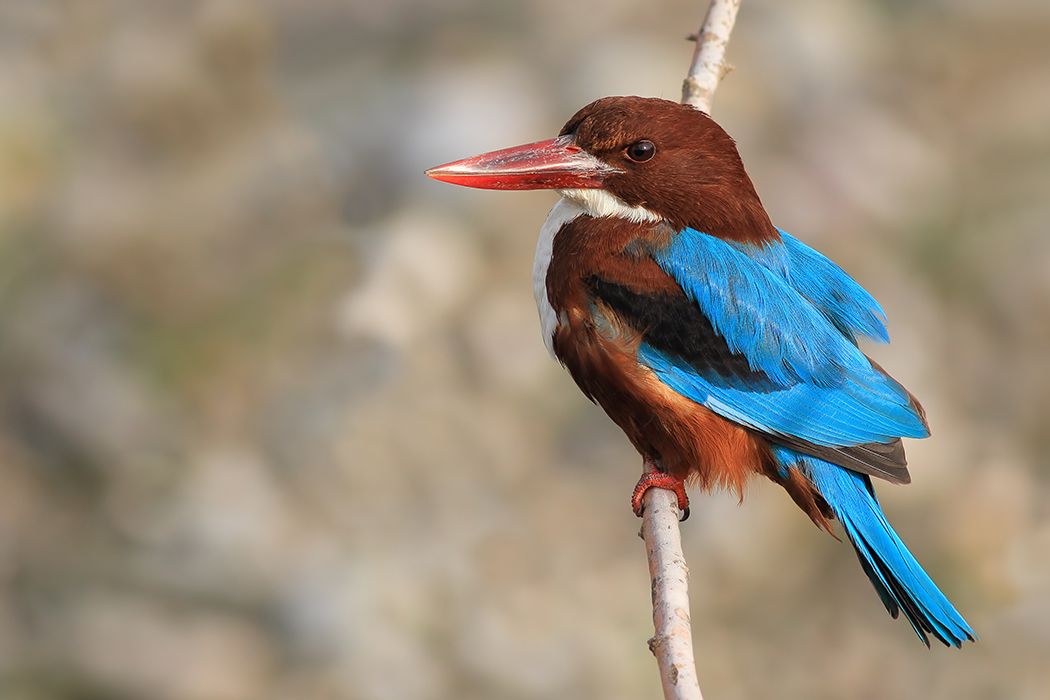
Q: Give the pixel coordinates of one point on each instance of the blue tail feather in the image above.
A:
(897, 577)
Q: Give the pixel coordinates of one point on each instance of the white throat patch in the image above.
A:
(574, 203)
(599, 203)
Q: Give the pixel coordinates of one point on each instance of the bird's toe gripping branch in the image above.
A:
(660, 480)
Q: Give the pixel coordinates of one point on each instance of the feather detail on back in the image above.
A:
(846, 304)
(758, 312)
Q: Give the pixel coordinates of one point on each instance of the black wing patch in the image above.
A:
(675, 325)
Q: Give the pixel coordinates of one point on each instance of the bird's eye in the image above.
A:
(641, 151)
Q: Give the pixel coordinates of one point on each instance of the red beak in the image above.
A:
(555, 164)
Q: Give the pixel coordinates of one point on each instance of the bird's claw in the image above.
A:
(660, 480)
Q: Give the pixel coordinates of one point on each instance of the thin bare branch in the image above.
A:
(673, 643)
(709, 66)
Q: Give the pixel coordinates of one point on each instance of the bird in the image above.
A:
(723, 347)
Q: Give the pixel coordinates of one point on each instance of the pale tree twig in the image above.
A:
(709, 66)
(673, 643)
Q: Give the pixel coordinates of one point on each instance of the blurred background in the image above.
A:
(276, 420)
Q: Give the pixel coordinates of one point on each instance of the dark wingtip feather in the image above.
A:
(882, 460)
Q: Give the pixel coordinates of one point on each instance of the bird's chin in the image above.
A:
(599, 203)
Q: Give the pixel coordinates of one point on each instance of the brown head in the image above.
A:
(670, 159)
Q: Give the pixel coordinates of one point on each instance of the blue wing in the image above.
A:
(846, 304)
(794, 316)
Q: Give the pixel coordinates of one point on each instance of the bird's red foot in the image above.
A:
(663, 481)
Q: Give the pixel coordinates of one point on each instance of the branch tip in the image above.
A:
(708, 66)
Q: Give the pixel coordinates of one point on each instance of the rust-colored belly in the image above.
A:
(689, 440)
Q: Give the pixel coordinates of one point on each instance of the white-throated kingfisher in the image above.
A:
(722, 346)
